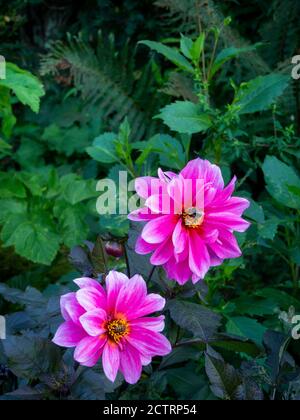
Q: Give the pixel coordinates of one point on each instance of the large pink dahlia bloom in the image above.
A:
(195, 231)
(112, 323)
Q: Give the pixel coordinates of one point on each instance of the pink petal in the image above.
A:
(94, 359)
(227, 191)
(88, 349)
(93, 322)
(114, 283)
(90, 298)
(213, 174)
(214, 260)
(226, 221)
(70, 308)
(176, 190)
(236, 205)
(162, 253)
(208, 234)
(159, 204)
(143, 248)
(209, 196)
(146, 186)
(69, 335)
(166, 176)
(146, 360)
(130, 364)
(179, 271)
(226, 246)
(180, 237)
(158, 230)
(199, 260)
(131, 296)
(192, 169)
(154, 324)
(151, 303)
(142, 215)
(87, 282)
(149, 342)
(111, 360)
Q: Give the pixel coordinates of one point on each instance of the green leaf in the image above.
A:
(226, 381)
(76, 190)
(103, 149)
(283, 299)
(169, 149)
(11, 186)
(33, 239)
(187, 384)
(171, 54)
(255, 212)
(9, 206)
(67, 141)
(72, 224)
(279, 178)
(228, 54)
(260, 93)
(247, 305)
(247, 328)
(25, 86)
(198, 48)
(185, 117)
(186, 45)
(200, 321)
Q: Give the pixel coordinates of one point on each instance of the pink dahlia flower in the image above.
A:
(190, 219)
(112, 323)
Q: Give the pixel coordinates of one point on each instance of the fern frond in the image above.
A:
(108, 80)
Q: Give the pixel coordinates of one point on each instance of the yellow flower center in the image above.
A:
(193, 218)
(117, 329)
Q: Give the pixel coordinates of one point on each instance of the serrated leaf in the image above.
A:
(73, 227)
(185, 117)
(247, 328)
(34, 240)
(171, 54)
(103, 149)
(228, 54)
(260, 93)
(226, 381)
(279, 178)
(25, 86)
(200, 321)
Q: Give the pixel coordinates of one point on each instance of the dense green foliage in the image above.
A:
(97, 87)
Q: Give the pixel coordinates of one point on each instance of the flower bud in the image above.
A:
(114, 249)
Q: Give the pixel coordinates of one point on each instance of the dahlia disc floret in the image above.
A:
(112, 323)
(190, 220)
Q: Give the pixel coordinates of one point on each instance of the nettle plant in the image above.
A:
(108, 314)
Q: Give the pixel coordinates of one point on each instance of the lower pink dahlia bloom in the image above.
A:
(195, 231)
(112, 323)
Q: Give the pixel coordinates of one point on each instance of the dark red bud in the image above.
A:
(114, 249)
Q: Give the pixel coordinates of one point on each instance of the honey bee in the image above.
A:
(193, 217)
